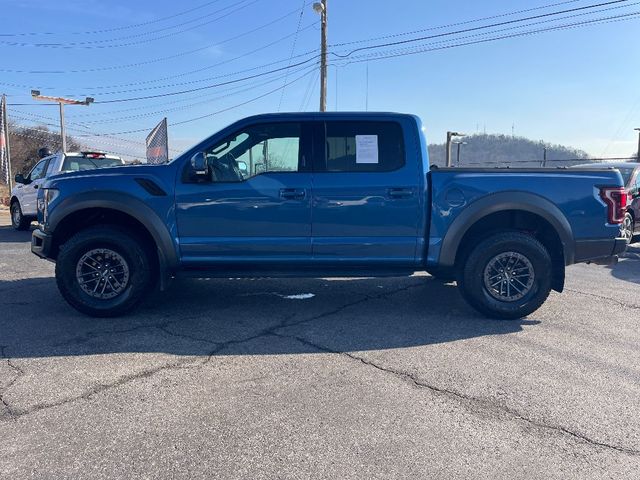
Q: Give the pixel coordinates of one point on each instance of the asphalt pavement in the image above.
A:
(319, 378)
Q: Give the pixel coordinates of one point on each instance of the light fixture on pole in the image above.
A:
(61, 102)
(321, 9)
(450, 136)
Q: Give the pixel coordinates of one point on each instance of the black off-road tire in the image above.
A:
(114, 238)
(18, 220)
(471, 276)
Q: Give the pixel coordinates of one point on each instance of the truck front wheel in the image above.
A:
(18, 220)
(506, 276)
(103, 271)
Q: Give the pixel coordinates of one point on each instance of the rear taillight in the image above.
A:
(616, 200)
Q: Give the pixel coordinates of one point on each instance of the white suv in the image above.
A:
(25, 192)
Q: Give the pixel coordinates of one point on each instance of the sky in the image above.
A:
(577, 86)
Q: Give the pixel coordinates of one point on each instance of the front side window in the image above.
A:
(364, 147)
(257, 149)
(38, 171)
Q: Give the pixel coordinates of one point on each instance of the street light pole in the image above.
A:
(61, 102)
(638, 152)
(450, 136)
(459, 144)
(321, 8)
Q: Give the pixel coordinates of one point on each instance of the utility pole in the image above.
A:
(544, 157)
(450, 136)
(5, 137)
(61, 102)
(321, 8)
(638, 152)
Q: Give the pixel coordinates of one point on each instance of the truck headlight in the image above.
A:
(45, 198)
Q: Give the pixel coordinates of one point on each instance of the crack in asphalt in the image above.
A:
(604, 297)
(485, 403)
(19, 372)
(14, 413)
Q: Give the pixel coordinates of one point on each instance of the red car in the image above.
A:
(630, 172)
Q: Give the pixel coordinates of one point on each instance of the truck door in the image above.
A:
(366, 196)
(255, 206)
(29, 192)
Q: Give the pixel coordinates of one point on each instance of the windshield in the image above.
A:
(626, 174)
(75, 164)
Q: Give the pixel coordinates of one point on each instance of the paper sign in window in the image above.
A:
(366, 149)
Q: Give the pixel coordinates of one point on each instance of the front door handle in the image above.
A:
(35, 186)
(400, 192)
(292, 193)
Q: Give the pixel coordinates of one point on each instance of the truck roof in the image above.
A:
(326, 115)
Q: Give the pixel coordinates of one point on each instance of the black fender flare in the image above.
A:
(502, 201)
(127, 204)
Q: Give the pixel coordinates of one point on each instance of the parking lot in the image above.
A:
(331, 378)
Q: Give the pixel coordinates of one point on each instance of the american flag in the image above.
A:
(5, 167)
(158, 144)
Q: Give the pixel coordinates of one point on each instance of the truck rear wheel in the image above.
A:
(506, 276)
(103, 271)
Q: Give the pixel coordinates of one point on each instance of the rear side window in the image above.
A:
(364, 147)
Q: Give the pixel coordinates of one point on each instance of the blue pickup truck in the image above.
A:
(317, 195)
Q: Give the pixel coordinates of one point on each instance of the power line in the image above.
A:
(402, 42)
(126, 27)
(168, 94)
(293, 49)
(235, 91)
(90, 91)
(413, 51)
(224, 109)
(214, 99)
(466, 22)
(22, 134)
(94, 43)
(379, 46)
(156, 60)
(429, 37)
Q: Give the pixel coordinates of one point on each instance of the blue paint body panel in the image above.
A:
(398, 220)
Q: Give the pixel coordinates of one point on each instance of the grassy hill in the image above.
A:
(504, 150)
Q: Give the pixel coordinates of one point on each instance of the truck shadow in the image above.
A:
(247, 317)
(10, 235)
(628, 268)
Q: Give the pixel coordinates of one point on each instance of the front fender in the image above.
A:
(122, 202)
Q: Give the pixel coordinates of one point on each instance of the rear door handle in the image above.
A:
(400, 192)
(292, 193)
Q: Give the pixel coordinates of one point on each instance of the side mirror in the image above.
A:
(242, 166)
(199, 167)
(19, 178)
